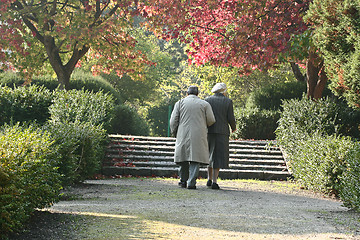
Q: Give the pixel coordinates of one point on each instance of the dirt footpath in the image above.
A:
(131, 208)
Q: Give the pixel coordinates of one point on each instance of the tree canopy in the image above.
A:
(39, 33)
(249, 34)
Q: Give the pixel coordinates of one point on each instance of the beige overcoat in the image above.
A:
(191, 117)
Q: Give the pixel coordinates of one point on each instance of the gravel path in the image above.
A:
(130, 208)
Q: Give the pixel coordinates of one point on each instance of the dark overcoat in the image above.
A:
(224, 114)
(218, 137)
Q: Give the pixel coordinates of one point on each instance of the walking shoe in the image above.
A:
(215, 186)
(191, 187)
(182, 184)
(208, 184)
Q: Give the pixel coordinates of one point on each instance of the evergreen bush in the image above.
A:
(82, 106)
(324, 115)
(80, 147)
(317, 161)
(270, 97)
(316, 136)
(28, 174)
(24, 104)
(127, 121)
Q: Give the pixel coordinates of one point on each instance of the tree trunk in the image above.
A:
(63, 72)
(297, 73)
(64, 79)
(315, 76)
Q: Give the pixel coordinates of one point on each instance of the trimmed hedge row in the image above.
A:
(321, 154)
(23, 104)
(80, 147)
(79, 80)
(28, 174)
(350, 179)
(62, 141)
(82, 106)
(35, 161)
(38, 104)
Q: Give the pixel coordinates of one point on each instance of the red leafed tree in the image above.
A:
(61, 33)
(249, 34)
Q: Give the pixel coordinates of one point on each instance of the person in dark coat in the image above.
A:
(218, 133)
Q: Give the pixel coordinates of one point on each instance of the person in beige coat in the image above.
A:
(189, 121)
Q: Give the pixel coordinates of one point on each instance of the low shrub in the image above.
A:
(324, 115)
(24, 104)
(80, 147)
(349, 190)
(255, 123)
(82, 106)
(79, 80)
(127, 121)
(270, 97)
(28, 174)
(317, 161)
(318, 138)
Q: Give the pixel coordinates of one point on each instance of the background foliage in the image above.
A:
(336, 26)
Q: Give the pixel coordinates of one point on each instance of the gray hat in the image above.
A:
(193, 90)
(219, 88)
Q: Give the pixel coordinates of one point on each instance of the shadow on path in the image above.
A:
(158, 209)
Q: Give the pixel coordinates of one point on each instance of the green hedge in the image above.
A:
(318, 138)
(79, 80)
(82, 106)
(127, 121)
(255, 123)
(326, 115)
(317, 161)
(23, 104)
(77, 123)
(350, 180)
(38, 104)
(80, 146)
(37, 160)
(28, 175)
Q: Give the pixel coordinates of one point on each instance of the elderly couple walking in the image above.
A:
(202, 134)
